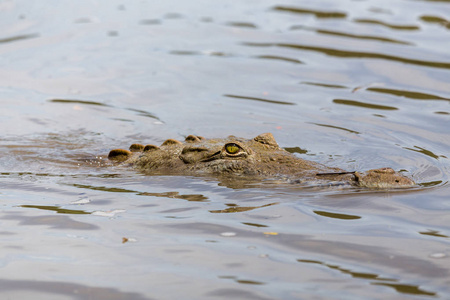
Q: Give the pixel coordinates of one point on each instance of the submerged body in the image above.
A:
(260, 157)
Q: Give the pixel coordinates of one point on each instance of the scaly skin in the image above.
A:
(260, 157)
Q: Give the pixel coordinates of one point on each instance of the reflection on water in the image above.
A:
(336, 216)
(273, 57)
(337, 127)
(333, 86)
(316, 13)
(407, 94)
(434, 233)
(59, 210)
(353, 36)
(242, 24)
(254, 224)
(406, 289)
(18, 38)
(401, 288)
(362, 104)
(436, 20)
(175, 195)
(260, 99)
(353, 54)
(235, 208)
(388, 25)
(426, 152)
(241, 281)
(352, 84)
(77, 102)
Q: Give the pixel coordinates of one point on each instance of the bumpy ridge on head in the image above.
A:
(171, 142)
(119, 154)
(136, 148)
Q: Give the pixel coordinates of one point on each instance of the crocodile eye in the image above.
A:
(232, 148)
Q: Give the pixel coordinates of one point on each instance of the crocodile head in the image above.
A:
(260, 157)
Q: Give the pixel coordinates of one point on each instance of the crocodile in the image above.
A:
(257, 158)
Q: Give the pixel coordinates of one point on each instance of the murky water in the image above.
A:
(352, 84)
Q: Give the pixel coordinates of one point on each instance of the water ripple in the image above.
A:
(354, 54)
(351, 35)
(77, 102)
(260, 99)
(317, 13)
(19, 38)
(281, 58)
(407, 94)
(388, 25)
(363, 104)
(377, 279)
(436, 20)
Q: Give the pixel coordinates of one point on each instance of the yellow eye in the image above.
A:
(232, 148)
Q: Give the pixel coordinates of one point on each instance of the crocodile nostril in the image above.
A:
(193, 149)
(191, 154)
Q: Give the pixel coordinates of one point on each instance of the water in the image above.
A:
(352, 84)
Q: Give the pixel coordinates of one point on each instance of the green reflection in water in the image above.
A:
(220, 54)
(286, 59)
(19, 38)
(176, 195)
(143, 113)
(336, 127)
(60, 175)
(77, 102)
(375, 278)
(432, 183)
(58, 209)
(242, 24)
(434, 233)
(369, 276)
(407, 94)
(260, 99)
(336, 216)
(184, 52)
(355, 54)
(236, 209)
(335, 86)
(352, 36)
(436, 20)
(378, 115)
(425, 152)
(241, 281)
(103, 188)
(317, 13)
(249, 282)
(362, 37)
(254, 224)
(363, 104)
(391, 26)
(406, 288)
